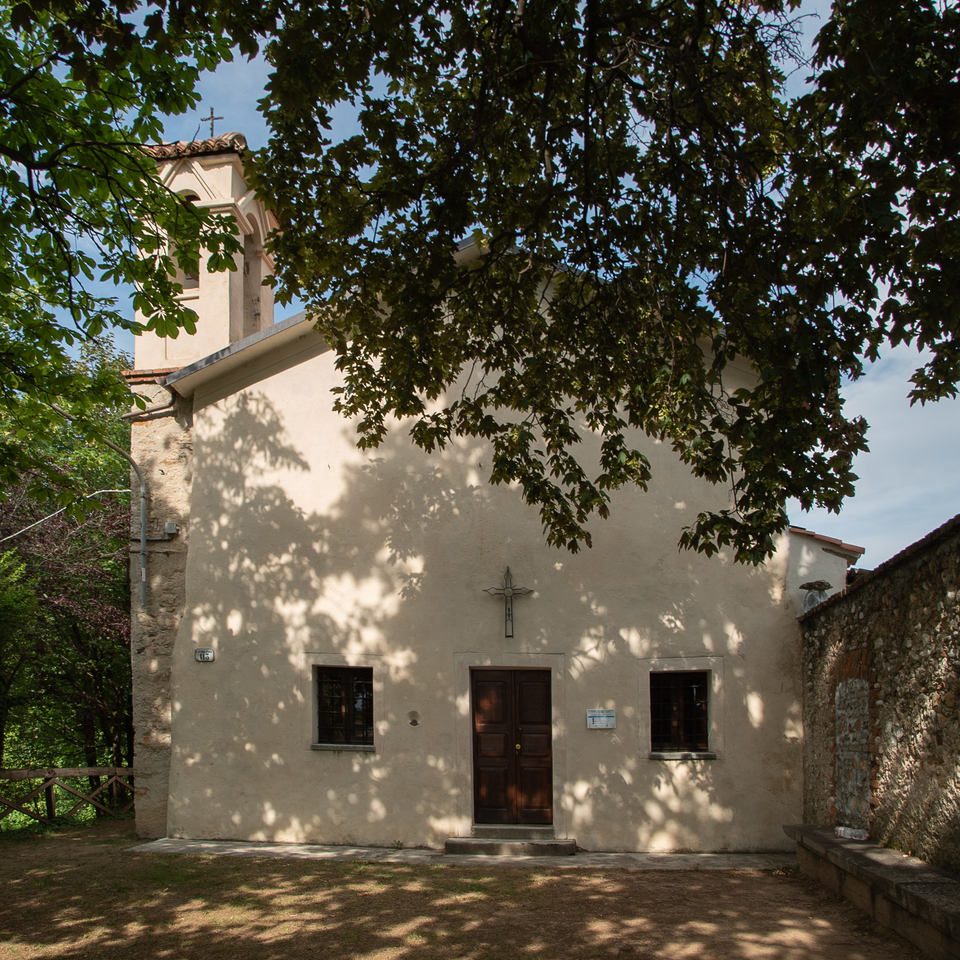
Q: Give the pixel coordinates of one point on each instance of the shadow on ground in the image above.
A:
(80, 893)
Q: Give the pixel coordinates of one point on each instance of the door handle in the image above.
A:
(518, 746)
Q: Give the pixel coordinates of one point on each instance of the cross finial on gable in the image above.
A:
(211, 120)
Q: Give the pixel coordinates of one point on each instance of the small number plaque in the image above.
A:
(601, 719)
(204, 655)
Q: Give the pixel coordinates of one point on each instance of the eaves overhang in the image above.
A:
(848, 551)
(258, 348)
(246, 353)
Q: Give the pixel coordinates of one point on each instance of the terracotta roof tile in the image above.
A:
(148, 376)
(225, 143)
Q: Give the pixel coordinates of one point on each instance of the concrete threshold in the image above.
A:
(918, 901)
(509, 847)
(510, 831)
(581, 860)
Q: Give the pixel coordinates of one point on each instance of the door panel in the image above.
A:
(535, 756)
(534, 698)
(490, 700)
(491, 745)
(535, 745)
(536, 790)
(512, 746)
(492, 784)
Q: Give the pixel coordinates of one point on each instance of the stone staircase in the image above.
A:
(507, 840)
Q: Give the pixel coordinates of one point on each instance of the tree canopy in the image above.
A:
(82, 87)
(649, 201)
(64, 598)
(643, 164)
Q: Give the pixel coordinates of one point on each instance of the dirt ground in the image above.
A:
(77, 892)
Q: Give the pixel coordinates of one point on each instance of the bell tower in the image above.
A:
(230, 306)
(233, 304)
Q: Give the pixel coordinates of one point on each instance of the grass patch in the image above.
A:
(26, 828)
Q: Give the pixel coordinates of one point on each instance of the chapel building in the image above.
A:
(377, 647)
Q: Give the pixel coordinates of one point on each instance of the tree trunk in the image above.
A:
(88, 729)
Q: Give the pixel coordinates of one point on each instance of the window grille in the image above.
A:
(345, 705)
(679, 718)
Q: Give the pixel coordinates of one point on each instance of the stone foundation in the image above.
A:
(915, 900)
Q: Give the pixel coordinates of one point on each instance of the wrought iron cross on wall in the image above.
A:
(508, 591)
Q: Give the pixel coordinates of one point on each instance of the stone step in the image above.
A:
(513, 831)
(494, 847)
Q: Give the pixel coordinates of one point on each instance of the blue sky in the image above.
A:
(909, 480)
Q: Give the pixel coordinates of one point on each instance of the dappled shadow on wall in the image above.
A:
(387, 554)
(272, 583)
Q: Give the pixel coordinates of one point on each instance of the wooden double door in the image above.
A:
(512, 746)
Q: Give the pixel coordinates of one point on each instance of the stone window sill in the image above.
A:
(682, 755)
(345, 747)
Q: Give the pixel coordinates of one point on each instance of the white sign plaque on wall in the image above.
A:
(601, 719)
(203, 655)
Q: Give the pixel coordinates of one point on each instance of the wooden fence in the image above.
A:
(117, 781)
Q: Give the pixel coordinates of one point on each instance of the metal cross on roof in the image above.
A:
(508, 591)
(210, 120)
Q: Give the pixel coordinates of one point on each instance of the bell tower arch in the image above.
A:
(233, 304)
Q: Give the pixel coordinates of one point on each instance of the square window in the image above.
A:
(679, 715)
(189, 279)
(344, 705)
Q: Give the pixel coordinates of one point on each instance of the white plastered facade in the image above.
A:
(306, 552)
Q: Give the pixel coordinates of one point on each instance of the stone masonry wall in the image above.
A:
(852, 769)
(881, 681)
(162, 445)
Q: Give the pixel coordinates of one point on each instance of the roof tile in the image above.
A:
(225, 143)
